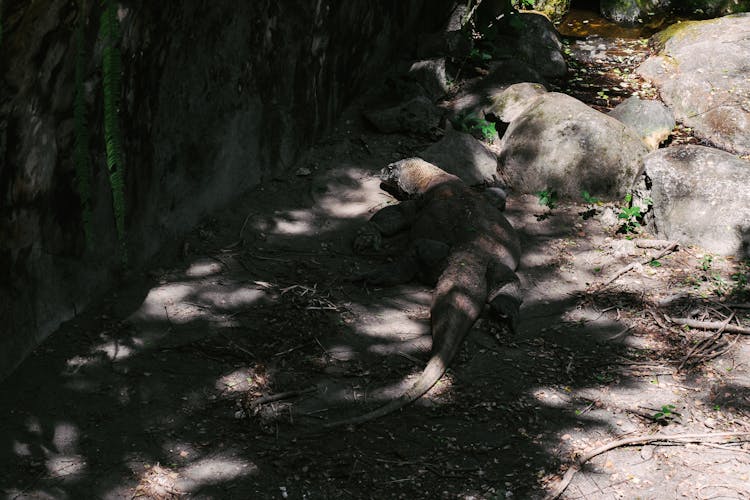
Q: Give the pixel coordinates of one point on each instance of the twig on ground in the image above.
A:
(237, 346)
(710, 325)
(620, 333)
(657, 319)
(672, 439)
(671, 248)
(281, 395)
(282, 353)
(260, 257)
(242, 229)
(705, 343)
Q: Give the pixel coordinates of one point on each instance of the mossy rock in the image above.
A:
(679, 29)
(554, 9)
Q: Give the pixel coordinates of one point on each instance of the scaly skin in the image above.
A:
(483, 254)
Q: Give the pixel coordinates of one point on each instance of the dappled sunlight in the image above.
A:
(65, 438)
(349, 193)
(66, 466)
(115, 351)
(393, 323)
(293, 223)
(231, 299)
(383, 393)
(214, 470)
(552, 397)
(182, 303)
(202, 268)
(155, 303)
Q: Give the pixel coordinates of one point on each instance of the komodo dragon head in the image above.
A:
(412, 177)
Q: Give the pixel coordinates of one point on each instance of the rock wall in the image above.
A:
(216, 97)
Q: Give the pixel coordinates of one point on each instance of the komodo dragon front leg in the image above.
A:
(423, 260)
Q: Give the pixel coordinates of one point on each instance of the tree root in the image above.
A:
(671, 439)
(710, 325)
(672, 246)
(280, 396)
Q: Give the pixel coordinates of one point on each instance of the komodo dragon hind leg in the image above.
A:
(431, 256)
(425, 261)
(504, 298)
(395, 273)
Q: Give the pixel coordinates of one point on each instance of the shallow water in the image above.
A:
(584, 22)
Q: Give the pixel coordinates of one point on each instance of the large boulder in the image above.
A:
(651, 119)
(702, 73)
(430, 75)
(461, 154)
(538, 44)
(509, 103)
(559, 143)
(700, 197)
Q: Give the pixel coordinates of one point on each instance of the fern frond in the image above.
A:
(112, 67)
(80, 125)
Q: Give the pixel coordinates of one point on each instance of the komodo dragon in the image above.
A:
(459, 242)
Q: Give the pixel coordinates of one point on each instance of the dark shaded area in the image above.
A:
(215, 99)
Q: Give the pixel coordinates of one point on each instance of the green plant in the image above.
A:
(665, 415)
(474, 125)
(654, 263)
(706, 262)
(80, 126)
(547, 198)
(587, 198)
(111, 66)
(631, 215)
(479, 55)
(720, 285)
(740, 279)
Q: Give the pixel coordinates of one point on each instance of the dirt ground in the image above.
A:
(159, 390)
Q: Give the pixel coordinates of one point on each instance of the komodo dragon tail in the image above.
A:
(458, 300)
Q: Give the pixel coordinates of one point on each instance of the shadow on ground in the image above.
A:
(150, 393)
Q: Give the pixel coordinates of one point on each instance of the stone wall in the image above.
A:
(217, 96)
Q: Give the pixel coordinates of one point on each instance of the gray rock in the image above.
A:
(417, 115)
(509, 103)
(462, 155)
(608, 218)
(561, 144)
(702, 76)
(450, 41)
(631, 12)
(554, 9)
(539, 45)
(651, 119)
(710, 7)
(700, 197)
(477, 99)
(430, 74)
